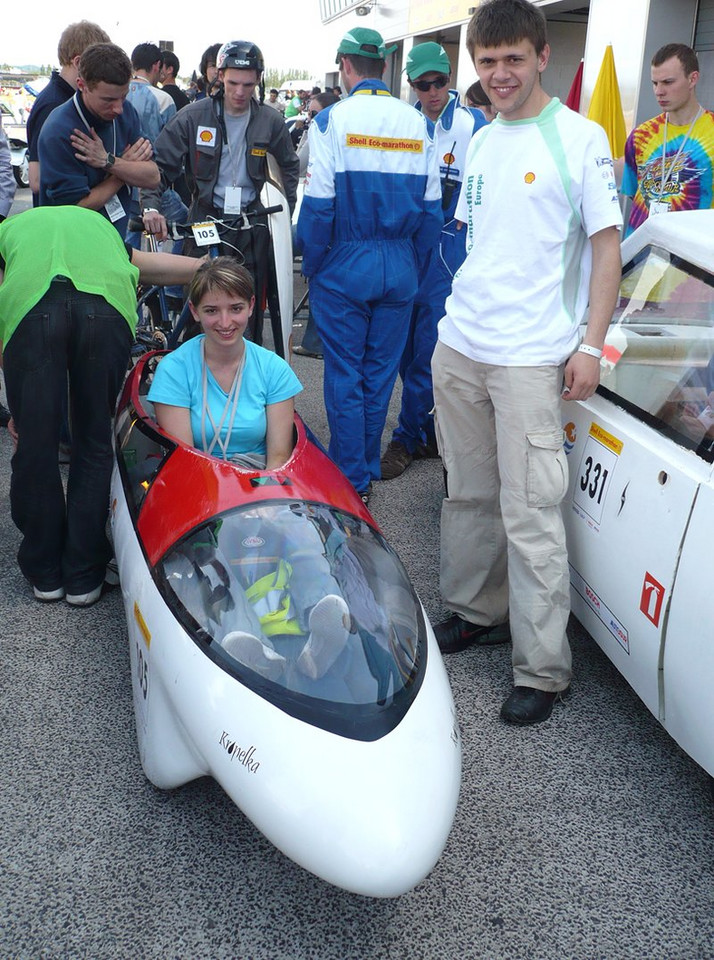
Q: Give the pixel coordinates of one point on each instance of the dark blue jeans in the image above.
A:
(77, 334)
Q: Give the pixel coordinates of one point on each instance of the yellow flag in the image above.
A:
(606, 106)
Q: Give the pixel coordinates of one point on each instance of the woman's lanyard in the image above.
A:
(230, 404)
(666, 176)
(75, 98)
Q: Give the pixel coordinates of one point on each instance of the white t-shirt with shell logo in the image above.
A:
(534, 191)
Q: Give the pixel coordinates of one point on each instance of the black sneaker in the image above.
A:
(456, 634)
(4, 415)
(427, 451)
(395, 461)
(527, 705)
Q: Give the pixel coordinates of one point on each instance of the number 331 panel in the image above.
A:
(641, 488)
(626, 513)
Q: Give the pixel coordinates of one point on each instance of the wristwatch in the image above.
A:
(109, 162)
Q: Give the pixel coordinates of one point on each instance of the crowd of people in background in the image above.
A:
(410, 215)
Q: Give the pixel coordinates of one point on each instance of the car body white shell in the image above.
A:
(370, 816)
(639, 512)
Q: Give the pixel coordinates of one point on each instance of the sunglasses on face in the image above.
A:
(425, 85)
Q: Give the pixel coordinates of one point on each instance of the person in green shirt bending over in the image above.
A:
(67, 311)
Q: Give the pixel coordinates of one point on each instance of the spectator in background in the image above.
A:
(72, 43)
(208, 71)
(476, 97)
(318, 103)
(294, 105)
(273, 101)
(170, 67)
(669, 160)
(155, 107)
(7, 178)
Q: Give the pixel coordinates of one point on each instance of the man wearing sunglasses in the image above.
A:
(429, 71)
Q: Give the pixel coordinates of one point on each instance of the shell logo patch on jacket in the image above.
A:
(206, 137)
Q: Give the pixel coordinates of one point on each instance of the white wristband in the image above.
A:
(591, 351)
(149, 210)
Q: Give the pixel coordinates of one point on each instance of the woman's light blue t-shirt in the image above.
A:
(267, 378)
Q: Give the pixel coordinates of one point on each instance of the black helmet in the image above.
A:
(240, 55)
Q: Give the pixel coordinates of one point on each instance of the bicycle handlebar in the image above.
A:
(179, 230)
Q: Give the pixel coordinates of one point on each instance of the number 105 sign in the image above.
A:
(597, 466)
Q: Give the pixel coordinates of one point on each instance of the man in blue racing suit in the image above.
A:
(429, 71)
(372, 208)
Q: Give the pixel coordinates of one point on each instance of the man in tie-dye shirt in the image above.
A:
(669, 159)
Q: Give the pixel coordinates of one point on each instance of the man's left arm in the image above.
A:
(582, 371)
(134, 167)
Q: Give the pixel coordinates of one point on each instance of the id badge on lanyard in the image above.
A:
(115, 209)
(231, 203)
(659, 206)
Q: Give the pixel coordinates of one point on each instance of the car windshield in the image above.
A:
(659, 351)
(306, 604)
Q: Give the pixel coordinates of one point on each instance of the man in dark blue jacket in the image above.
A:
(91, 151)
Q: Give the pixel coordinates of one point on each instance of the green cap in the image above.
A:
(357, 38)
(427, 58)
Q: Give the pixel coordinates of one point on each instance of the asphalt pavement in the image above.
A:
(589, 836)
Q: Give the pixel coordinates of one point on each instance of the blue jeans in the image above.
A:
(77, 334)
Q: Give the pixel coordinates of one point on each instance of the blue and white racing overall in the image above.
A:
(371, 212)
(453, 131)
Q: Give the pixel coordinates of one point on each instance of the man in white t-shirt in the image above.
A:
(539, 203)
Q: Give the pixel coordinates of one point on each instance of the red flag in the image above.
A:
(573, 99)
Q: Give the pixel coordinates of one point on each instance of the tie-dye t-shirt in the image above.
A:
(688, 183)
